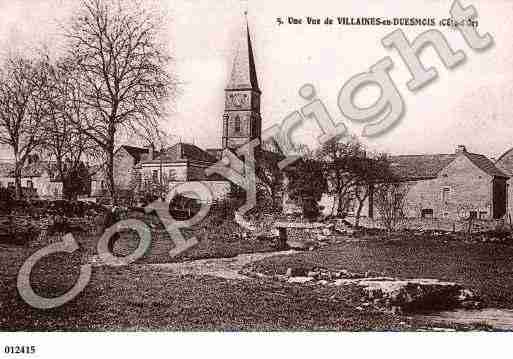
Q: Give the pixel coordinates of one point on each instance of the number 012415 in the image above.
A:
(20, 349)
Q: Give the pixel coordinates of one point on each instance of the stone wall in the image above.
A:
(218, 189)
(435, 224)
(196, 171)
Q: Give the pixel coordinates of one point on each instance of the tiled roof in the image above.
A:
(135, 152)
(414, 167)
(485, 164)
(182, 152)
(419, 166)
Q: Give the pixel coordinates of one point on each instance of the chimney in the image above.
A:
(460, 149)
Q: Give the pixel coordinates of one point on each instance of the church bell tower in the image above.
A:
(241, 120)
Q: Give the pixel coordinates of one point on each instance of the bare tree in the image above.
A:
(62, 141)
(390, 200)
(22, 81)
(123, 72)
(370, 173)
(270, 176)
(340, 158)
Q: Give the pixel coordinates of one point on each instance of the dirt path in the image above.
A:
(219, 267)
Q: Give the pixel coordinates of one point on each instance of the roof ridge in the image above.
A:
(427, 154)
(504, 154)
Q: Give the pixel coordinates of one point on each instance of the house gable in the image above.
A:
(505, 162)
(464, 168)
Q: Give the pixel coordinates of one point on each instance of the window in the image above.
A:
(426, 213)
(155, 175)
(30, 184)
(473, 214)
(237, 124)
(10, 184)
(483, 214)
(445, 194)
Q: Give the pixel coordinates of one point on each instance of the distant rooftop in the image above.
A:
(414, 167)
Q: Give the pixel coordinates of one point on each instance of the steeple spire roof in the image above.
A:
(243, 72)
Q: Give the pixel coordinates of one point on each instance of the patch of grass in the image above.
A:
(486, 268)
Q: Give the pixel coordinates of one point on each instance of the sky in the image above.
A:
(469, 105)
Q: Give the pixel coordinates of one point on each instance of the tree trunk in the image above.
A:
(64, 178)
(340, 206)
(470, 222)
(110, 177)
(17, 180)
(358, 214)
(335, 205)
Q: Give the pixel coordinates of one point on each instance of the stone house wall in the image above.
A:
(123, 164)
(174, 171)
(459, 189)
(44, 187)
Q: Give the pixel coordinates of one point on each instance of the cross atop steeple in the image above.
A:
(243, 74)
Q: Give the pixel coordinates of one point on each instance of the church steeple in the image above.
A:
(241, 120)
(243, 72)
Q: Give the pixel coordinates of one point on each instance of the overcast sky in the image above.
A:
(470, 105)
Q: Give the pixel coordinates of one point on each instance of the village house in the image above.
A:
(126, 158)
(38, 178)
(180, 163)
(449, 186)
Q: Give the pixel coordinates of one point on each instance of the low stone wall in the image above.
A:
(218, 189)
(303, 235)
(436, 224)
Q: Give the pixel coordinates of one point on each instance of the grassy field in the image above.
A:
(487, 268)
(135, 298)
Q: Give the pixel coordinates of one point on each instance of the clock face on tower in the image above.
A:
(238, 100)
